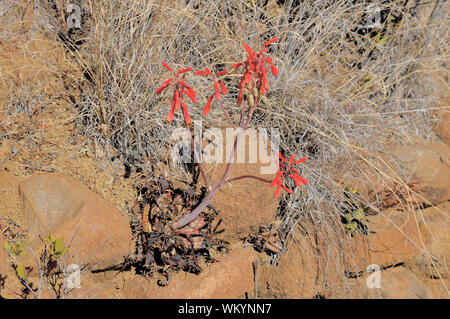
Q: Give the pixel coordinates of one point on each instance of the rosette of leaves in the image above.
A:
(161, 247)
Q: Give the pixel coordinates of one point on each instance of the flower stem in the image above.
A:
(205, 202)
(249, 176)
(230, 121)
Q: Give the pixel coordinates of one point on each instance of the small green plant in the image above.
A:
(48, 265)
(55, 246)
(354, 214)
(16, 249)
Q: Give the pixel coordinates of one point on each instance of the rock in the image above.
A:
(424, 167)
(246, 203)
(437, 240)
(438, 287)
(94, 230)
(395, 283)
(293, 277)
(442, 128)
(229, 278)
(311, 267)
(318, 265)
(429, 164)
(392, 240)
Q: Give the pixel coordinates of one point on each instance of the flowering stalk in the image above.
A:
(254, 84)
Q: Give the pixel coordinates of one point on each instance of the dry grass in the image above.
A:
(341, 96)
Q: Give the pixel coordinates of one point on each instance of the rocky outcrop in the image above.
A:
(94, 230)
(410, 249)
(442, 128)
(395, 283)
(429, 165)
(436, 236)
(424, 167)
(231, 277)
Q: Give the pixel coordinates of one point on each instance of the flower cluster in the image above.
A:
(254, 81)
(285, 170)
(181, 88)
(253, 84)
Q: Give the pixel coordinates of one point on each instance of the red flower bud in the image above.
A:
(208, 104)
(171, 112)
(249, 51)
(277, 191)
(265, 82)
(300, 160)
(247, 77)
(274, 70)
(201, 72)
(163, 86)
(184, 71)
(271, 41)
(223, 87)
(276, 179)
(186, 114)
(216, 88)
(240, 97)
(176, 98)
(191, 95)
(166, 66)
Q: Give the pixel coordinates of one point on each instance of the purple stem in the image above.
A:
(194, 214)
(249, 176)
(227, 115)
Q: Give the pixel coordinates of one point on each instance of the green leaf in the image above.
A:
(359, 215)
(349, 217)
(64, 251)
(59, 245)
(367, 79)
(20, 271)
(6, 246)
(383, 40)
(378, 39)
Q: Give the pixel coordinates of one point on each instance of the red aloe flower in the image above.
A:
(285, 170)
(255, 73)
(271, 41)
(180, 89)
(163, 86)
(207, 106)
(219, 88)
